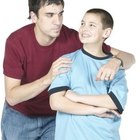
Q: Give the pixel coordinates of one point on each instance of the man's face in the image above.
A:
(49, 21)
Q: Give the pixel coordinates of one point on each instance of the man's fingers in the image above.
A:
(61, 65)
(112, 76)
(99, 74)
(103, 75)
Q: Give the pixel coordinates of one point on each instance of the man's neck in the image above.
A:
(42, 39)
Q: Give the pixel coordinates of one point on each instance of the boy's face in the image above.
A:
(91, 29)
(49, 21)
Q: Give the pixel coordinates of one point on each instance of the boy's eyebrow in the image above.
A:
(89, 22)
(93, 22)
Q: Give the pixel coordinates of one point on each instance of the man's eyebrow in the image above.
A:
(55, 13)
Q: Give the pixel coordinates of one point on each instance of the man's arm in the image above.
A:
(121, 59)
(128, 59)
(30, 90)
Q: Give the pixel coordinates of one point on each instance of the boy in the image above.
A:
(100, 100)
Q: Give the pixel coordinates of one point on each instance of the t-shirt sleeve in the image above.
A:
(118, 90)
(12, 64)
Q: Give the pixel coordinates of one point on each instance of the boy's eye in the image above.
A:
(92, 25)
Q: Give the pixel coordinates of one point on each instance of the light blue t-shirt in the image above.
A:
(82, 79)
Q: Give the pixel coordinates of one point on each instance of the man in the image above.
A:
(31, 63)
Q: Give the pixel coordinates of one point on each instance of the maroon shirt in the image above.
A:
(25, 59)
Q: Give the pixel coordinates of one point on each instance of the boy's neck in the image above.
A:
(95, 50)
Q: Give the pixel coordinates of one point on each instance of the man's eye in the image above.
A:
(61, 14)
(82, 23)
(49, 15)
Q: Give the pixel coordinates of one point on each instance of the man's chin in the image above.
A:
(56, 34)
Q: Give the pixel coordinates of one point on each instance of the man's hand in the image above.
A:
(61, 65)
(108, 71)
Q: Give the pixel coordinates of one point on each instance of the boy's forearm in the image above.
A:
(97, 100)
(60, 103)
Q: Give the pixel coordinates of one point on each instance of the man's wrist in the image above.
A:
(121, 61)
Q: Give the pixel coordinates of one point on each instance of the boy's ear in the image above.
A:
(107, 32)
(33, 17)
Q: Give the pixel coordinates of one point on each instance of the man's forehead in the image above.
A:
(52, 8)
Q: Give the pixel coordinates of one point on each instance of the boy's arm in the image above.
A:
(115, 98)
(103, 100)
(59, 102)
(121, 59)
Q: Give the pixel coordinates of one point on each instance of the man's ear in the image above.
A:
(33, 17)
(107, 32)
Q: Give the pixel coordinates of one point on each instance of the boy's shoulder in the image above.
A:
(73, 54)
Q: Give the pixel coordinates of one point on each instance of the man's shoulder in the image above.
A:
(106, 48)
(22, 31)
(70, 36)
(68, 30)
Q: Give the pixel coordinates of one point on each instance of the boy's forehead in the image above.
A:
(92, 17)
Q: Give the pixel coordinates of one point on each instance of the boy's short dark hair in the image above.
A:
(106, 18)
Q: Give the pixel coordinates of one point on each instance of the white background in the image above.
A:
(125, 36)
